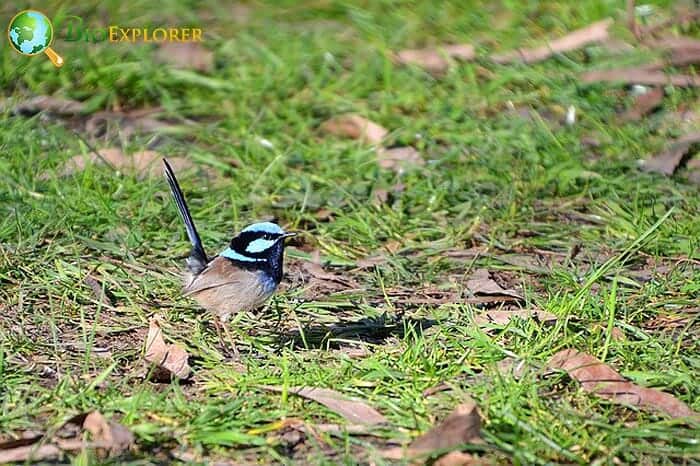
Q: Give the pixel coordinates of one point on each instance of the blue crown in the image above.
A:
(264, 227)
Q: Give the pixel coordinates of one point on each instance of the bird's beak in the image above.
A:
(289, 234)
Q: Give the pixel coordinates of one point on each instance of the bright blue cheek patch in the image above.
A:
(231, 254)
(259, 245)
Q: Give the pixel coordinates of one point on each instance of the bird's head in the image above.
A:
(259, 246)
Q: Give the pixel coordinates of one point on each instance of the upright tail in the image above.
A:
(198, 258)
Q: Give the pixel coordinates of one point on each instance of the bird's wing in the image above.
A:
(221, 272)
(226, 289)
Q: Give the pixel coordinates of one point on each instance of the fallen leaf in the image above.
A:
(371, 261)
(678, 320)
(101, 294)
(458, 458)
(109, 124)
(644, 104)
(694, 171)
(380, 196)
(107, 436)
(45, 103)
(20, 451)
(171, 357)
(600, 379)
(399, 158)
(353, 352)
(617, 334)
(640, 75)
(186, 55)
(682, 18)
(504, 317)
(353, 429)
(462, 426)
(677, 47)
(481, 283)
(527, 262)
(355, 411)
(324, 215)
(112, 436)
(355, 127)
(668, 161)
(441, 387)
(465, 254)
(596, 32)
(616, 46)
(435, 59)
(144, 163)
(314, 268)
(513, 367)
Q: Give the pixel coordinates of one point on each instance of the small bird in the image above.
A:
(240, 278)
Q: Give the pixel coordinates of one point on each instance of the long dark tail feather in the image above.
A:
(198, 258)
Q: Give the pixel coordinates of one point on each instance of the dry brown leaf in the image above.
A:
(399, 158)
(189, 55)
(668, 161)
(324, 215)
(314, 268)
(694, 171)
(462, 426)
(101, 294)
(144, 163)
(355, 411)
(458, 458)
(673, 44)
(602, 380)
(371, 261)
(108, 436)
(504, 317)
(617, 334)
(683, 18)
(45, 103)
(114, 437)
(109, 124)
(435, 59)
(481, 283)
(441, 387)
(171, 357)
(19, 452)
(315, 280)
(512, 367)
(640, 75)
(465, 254)
(337, 429)
(355, 127)
(596, 32)
(380, 196)
(644, 104)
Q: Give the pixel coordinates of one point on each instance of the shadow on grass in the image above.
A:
(374, 330)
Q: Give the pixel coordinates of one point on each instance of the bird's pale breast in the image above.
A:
(225, 289)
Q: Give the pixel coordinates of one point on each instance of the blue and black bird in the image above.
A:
(240, 278)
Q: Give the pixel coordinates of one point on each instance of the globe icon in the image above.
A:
(30, 33)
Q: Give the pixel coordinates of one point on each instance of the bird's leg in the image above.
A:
(226, 340)
(279, 315)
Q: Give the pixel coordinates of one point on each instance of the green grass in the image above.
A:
(492, 178)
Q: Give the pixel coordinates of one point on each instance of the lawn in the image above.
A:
(381, 298)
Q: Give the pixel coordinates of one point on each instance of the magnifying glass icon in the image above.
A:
(30, 33)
